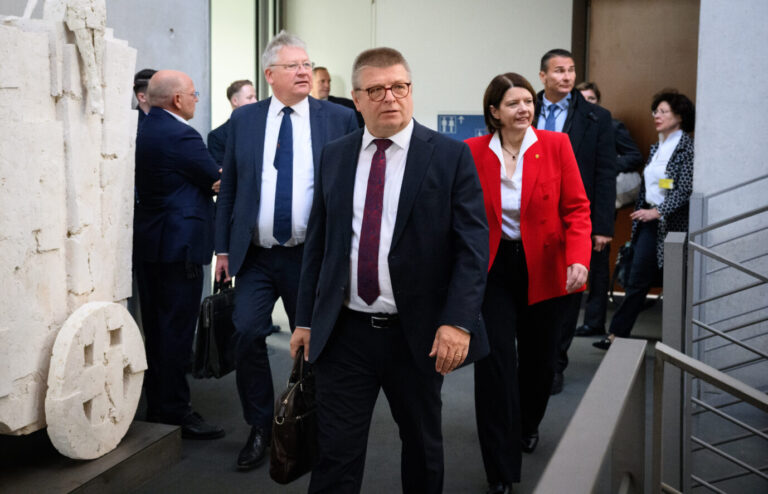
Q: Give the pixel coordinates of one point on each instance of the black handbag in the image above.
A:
(622, 268)
(214, 351)
(294, 428)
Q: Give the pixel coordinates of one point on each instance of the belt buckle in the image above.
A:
(378, 322)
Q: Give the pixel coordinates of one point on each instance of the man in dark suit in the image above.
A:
(393, 279)
(172, 241)
(239, 93)
(563, 109)
(321, 89)
(272, 152)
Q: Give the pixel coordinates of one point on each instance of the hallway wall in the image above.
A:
(454, 47)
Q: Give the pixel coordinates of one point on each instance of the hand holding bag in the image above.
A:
(294, 428)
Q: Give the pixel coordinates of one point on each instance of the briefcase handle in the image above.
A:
(221, 285)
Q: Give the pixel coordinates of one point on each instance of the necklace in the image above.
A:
(514, 155)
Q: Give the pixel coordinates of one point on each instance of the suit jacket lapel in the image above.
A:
(260, 124)
(492, 170)
(531, 166)
(416, 164)
(346, 170)
(316, 129)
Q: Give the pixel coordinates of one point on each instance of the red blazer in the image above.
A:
(554, 217)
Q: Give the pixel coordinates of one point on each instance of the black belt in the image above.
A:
(376, 320)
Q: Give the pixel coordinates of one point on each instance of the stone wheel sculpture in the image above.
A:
(95, 379)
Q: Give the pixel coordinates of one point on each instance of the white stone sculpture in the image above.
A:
(66, 214)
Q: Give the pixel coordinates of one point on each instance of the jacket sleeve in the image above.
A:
(628, 157)
(225, 201)
(604, 195)
(470, 238)
(314, 252)
(574, 208)
(195, 162)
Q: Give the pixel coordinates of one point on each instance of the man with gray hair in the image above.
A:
(273, 150)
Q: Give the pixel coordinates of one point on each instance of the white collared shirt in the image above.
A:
(393, 181)
(657, 168)
(303, 173)
(511, 187)
(174, 116)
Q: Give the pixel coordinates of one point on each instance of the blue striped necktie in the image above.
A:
(550, 123)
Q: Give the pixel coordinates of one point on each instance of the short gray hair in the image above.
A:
(280, 41)
(377, 57)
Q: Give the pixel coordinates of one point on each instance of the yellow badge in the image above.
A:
(666, 183)
(537, 156)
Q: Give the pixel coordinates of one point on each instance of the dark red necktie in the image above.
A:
(370, 233)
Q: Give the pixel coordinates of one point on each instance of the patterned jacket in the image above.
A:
(674, 207)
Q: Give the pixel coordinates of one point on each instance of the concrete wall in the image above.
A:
(454, 47)
(732, 104)
(167, 35)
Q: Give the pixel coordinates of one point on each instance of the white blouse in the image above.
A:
(511, 187)
(657, 168)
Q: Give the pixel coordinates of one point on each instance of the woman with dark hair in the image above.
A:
(661, 207)
(538, 217)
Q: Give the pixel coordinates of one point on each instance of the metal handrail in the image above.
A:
(725, 260)
(730, 418)
(739, 326)
(577, 463)
(729, 220)
(665, 354)
(737, 186)
(733, 340)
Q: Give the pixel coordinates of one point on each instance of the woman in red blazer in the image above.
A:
(538, 215)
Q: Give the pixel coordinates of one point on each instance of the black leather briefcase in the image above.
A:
(214, 349)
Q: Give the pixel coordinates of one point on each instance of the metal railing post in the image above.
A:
(673, 334)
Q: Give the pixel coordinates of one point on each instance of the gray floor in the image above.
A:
(209, 466)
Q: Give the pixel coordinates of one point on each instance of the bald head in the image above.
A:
(173, 91)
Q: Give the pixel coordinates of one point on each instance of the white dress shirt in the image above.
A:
(303, 173)
(657, 168)
(511, 187)
(176, 117)
(393, 180)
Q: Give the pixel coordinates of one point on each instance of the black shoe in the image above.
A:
(529, 442)
(254, 451)
(602, 344)
(193, 426)
(499, 488)
(557, 384)
(586, 330)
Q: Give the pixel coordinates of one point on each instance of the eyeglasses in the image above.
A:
(294, 67)
(378, 93)
(194, 94)
(660, 112)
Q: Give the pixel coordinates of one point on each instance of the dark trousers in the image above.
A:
(357, 361)
(643, 273)
(266, 274)
(170, 304)
(512, 383)
(597, 304)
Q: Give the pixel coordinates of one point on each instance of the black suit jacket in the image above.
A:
(217, 142)
(173, 217)
(628, 157)
(589, 128)
(438, 259)
(349, 104)
(237, 208)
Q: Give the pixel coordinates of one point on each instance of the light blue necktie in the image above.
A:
(281, 229)
(550, 123)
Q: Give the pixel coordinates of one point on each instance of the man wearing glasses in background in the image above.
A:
(272, 151)
(395, 267)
